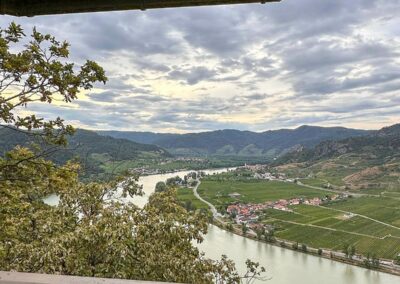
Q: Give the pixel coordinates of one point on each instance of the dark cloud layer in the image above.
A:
(241, 66)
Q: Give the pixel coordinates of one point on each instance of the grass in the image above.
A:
(383, 209)
(186, 194)
(314, 182)
(324, 227)
(335, 240)
(252, 191)
(370, 228)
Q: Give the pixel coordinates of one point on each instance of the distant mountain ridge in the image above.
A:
(243, 143)
(381, 143)
(89, 147)
(369, 162)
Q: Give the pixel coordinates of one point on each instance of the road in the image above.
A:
(212, 207)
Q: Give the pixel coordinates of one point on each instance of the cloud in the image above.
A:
(249, 66)
(192, 75)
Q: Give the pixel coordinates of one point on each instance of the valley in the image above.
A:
(286, 213)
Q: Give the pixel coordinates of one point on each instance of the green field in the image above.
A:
(383, 209)
(252, 190)
(326, 227)
(186, 194)
(370, 223)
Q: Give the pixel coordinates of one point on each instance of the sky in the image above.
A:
(249, 67)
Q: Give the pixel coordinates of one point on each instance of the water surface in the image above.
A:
(283, 266)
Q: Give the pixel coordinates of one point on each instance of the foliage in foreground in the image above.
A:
(93, 231)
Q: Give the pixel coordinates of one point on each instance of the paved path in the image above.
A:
(212, 207)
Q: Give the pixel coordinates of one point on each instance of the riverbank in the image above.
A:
(304, 269)
(327, 254)
(386, 266)
(153, 172)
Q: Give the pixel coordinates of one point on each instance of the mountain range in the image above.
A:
(368, 162)
(229, 142)
(94, 151)
(381, 143)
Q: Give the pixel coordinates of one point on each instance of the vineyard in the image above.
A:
(338, 224)
(253, 191)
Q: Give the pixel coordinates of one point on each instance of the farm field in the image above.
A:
(186, 194)
(324, 227)
(370, 223)
(335, 240)
(384, 209)
(253, 191)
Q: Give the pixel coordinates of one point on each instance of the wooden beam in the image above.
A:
(46, 7)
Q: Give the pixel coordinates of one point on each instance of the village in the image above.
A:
(248, 213)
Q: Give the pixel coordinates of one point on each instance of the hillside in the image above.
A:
(382, 143)
(96, 152)
(241, 143)
(371, 161)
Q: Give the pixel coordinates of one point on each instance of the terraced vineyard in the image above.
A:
(332, 228)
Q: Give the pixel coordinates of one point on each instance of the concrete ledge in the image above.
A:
(46, 7)
(34, 278)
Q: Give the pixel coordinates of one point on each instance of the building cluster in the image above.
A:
(249, 212)
(263, 172)
(273, 176)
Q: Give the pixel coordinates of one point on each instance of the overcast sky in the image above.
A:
(254, 67)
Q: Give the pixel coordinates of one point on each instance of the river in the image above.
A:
(283, 266)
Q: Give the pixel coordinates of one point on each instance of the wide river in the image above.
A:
(283, 266)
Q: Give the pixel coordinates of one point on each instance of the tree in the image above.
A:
(229, 227)
(270, 235)
(371, 261)
(397, 259)
(345, 249)
(91, 232)
(245, 229)
(352, 251)
(39, 73)
(254, 272)
(259, 233)
(349, 250)
(160, 186)
(189, 206)
(173, 181)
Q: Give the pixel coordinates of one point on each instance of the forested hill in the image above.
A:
(381, 144)
(89, 147)
(244, 143)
